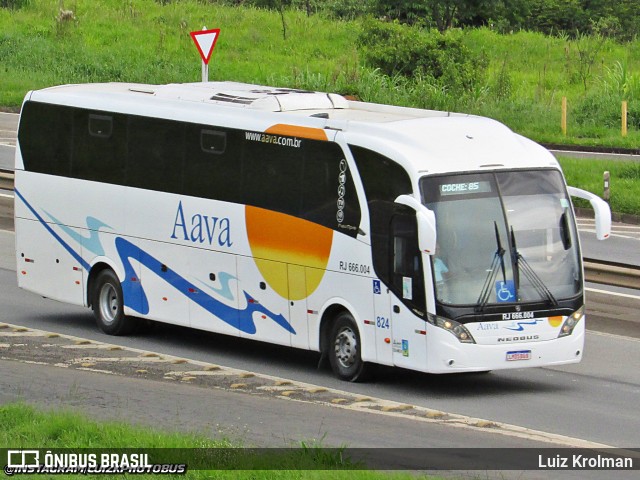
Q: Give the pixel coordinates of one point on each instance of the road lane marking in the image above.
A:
(613, 335)
(616, 294)
(617, 227)
(611, 235)
(166, 367)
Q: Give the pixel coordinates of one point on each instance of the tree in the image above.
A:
(445, 14)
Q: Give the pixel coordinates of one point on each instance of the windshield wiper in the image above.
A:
(498, 259)
(565, 236)
(521, 264)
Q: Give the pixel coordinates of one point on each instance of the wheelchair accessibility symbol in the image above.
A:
(505, 291)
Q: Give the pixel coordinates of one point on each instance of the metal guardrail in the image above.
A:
(611, 273)
(596, 271)
(6, 179)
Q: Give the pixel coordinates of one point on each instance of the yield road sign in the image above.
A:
(205, 41)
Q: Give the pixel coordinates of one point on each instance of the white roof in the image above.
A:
(422, 140)
(254, 97)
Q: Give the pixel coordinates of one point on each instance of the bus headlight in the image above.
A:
(456, 329)
(571, 322)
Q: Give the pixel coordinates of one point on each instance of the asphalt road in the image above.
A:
(257, 421)
(623, 246)
(595, 400)
(6, 157)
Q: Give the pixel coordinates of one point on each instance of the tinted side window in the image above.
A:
(272, 176)
(407, 279)
(329, 194)
(45, 138)
(155, 154)
(212, 166)
(310, 180)
(383, 181)
(99, 146)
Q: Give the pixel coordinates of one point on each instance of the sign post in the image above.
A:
(205, 41)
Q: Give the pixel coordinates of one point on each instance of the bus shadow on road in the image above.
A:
(301, 365)
(474, 384)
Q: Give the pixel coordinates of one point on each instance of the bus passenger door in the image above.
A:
(408, 306)
(382, 309)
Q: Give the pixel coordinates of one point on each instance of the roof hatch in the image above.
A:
(254, 97)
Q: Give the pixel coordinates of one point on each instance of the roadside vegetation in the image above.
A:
(512, 60)
(405, 53)
(27, 427)
(624, 181)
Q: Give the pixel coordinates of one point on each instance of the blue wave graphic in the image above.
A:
(66, 246)
(520, 325)
(92, 242)
(135, 296)
(225, 289)
(136, 299)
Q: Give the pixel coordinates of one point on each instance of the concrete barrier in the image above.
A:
(6, 213)
(613, 274)
(6, 180)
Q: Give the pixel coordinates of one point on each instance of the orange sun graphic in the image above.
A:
(277, 239)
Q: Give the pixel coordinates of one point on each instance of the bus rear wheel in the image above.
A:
(344, 349)
(108, 306)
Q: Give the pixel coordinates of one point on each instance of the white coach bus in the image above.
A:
(373, 234)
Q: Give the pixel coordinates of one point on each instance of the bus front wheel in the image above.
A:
(108, 306)
(345, 351)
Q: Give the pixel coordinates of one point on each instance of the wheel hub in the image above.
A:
(108, 303)
(346, 345)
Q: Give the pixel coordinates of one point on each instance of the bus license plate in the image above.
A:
(519, 355)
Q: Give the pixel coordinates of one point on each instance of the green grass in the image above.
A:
(624, 181)
(26, 427)
(144, 41)
(538, 70)
(148, 42)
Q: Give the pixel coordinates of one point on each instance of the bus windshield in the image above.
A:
(503, 237)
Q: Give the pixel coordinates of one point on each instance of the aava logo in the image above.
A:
(203, 228)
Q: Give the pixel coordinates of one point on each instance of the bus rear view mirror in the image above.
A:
(426, 220)
(601, 209)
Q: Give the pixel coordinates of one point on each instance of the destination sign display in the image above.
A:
(465, 188)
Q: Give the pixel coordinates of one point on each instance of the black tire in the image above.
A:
(108, 306)
(343, 350)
